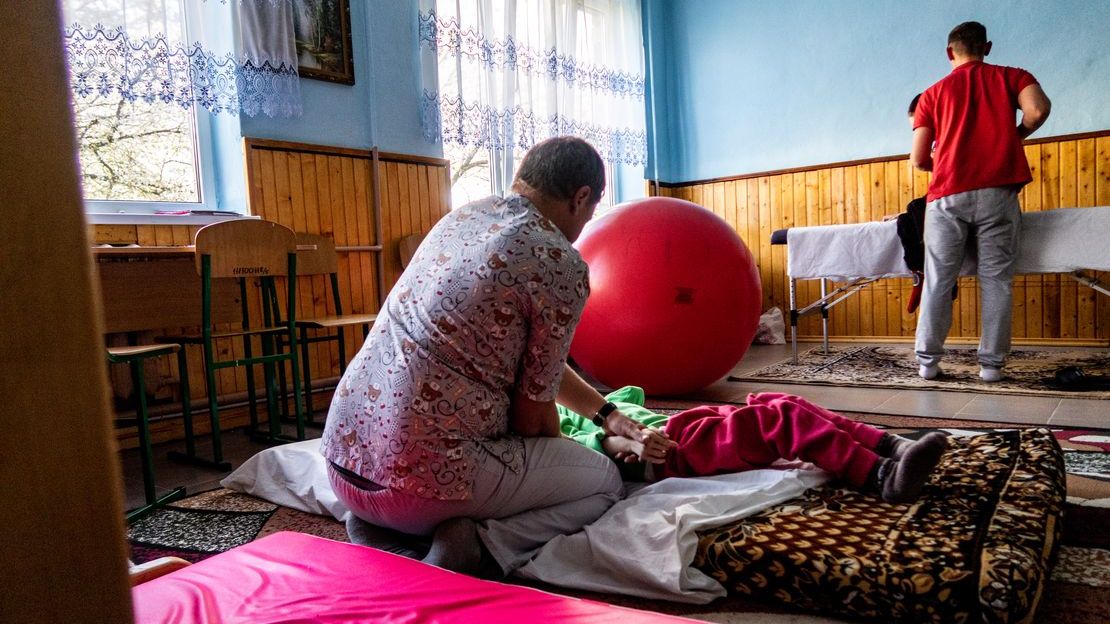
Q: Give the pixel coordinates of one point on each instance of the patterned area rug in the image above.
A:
(1028, 372)
(211, 522)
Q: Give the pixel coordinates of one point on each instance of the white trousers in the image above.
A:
(563, 487)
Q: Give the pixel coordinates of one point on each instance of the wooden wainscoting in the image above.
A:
(366, 200)
(1068, 171)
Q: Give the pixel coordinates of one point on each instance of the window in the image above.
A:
(470, 173)
(158, 86)
(136, 156)
(471, 179)
(138, 153)
(501, 76)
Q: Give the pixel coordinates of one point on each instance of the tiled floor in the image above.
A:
(969, 406)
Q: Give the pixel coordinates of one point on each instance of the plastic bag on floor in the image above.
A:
(772, 328)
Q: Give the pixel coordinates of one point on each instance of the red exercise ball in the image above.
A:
(674, 298)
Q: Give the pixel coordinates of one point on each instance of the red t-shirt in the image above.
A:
(972, 114)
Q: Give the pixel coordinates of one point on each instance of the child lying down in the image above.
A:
(717, 439)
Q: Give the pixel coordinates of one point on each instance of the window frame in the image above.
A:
(204, 161)
(114, 211)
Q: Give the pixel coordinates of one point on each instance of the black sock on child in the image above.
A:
(892, 446)
(901, 480)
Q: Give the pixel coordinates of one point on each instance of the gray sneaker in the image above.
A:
(928, 372)
(990, 374)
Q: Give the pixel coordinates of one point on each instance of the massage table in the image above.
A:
(293, 577)
(1068, 240)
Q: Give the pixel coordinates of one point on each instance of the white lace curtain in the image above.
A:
(222, 55)
(505, 74)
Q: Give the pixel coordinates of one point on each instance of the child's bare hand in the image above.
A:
(627, 457)
(656, 445)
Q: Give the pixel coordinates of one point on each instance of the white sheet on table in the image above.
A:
(1065, 240)
(293, 475)
(845, 252)
(644, 545)
(1053, 241)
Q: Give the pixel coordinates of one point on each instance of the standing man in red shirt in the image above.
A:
(978, 166)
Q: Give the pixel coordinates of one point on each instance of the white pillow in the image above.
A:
(292, 475)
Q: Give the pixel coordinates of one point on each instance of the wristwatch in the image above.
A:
(603, 412)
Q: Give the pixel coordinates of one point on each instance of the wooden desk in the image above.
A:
(157, 288)
(135, 251)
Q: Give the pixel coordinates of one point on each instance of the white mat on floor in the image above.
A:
(643, 546)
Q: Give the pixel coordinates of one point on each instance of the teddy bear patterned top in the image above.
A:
(487, 306)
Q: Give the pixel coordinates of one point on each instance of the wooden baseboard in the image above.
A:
(171, 427)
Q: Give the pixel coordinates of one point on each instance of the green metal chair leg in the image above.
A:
(308, 411)
(186, 402)
(213, 405)
(138, 513)
(342, 353)
(283, 386)
(297, 391)
(146, 451)
(251, 390)
(251, 407)
(277, 344)
(190, 455)
(271, 401)
(292, 330)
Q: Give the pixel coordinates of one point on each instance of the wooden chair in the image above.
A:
(135, 356)
(245, 249)
(155, 568)
(316, 255)
(406, 249)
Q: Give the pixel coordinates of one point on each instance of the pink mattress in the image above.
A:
(289, 577)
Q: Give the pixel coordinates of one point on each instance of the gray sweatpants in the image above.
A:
(563, 487)
(993, 217)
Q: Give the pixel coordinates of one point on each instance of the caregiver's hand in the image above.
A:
(656, 443)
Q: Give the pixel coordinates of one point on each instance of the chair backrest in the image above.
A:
(316, 255)
(408, 246)
(246, 248)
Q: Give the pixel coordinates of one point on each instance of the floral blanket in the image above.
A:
(976, 547)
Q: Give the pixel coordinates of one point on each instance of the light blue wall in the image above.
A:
(383, 106)
(747, 85)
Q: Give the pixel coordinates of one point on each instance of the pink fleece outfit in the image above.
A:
(728, 438)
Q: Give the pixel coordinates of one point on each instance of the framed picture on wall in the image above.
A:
(323, 39)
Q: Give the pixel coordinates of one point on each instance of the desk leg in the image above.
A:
(145, 451)
(824, 316)
(794, 319)
(139, 513)
(186, 401)
(1089, 282)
